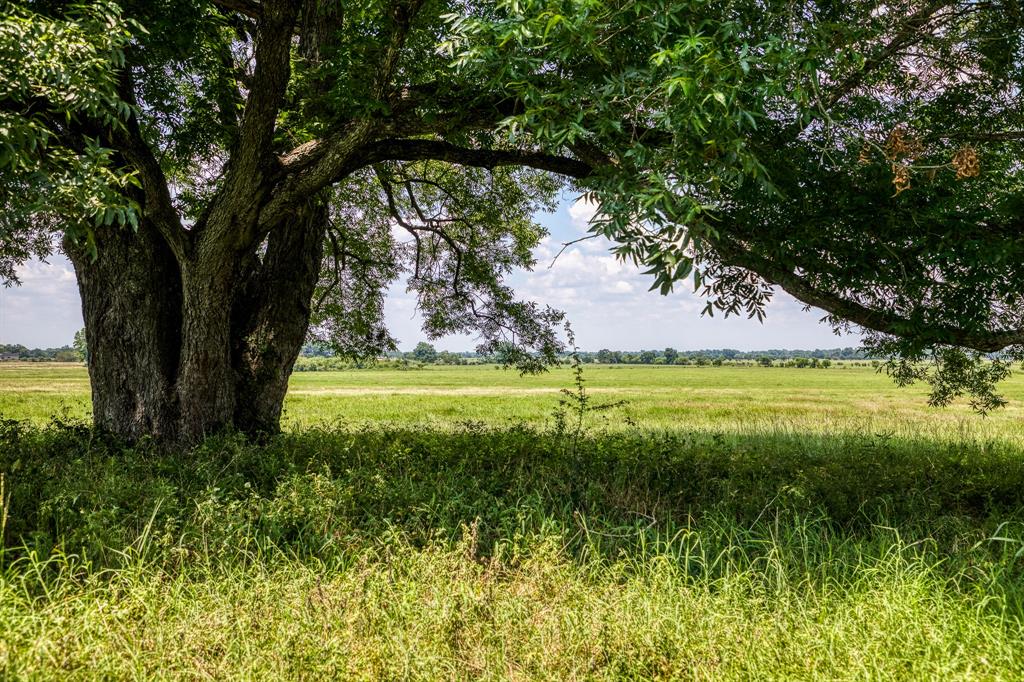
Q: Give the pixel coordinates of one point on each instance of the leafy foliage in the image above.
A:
(55, 75)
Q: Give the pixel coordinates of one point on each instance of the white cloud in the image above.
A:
(581, 212)
(607, 301)
(45, 310)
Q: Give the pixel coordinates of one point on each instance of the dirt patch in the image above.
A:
(497, 391)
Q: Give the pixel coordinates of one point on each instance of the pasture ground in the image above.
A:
(725, 523)
(846, 398)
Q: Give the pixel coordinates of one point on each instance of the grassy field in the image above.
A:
(735, 399)
(726, 523)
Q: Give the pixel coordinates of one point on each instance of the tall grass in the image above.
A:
(512, 553)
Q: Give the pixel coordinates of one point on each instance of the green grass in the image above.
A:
(726, 524)
(838, 399)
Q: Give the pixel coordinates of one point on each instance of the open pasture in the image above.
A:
(840, 399)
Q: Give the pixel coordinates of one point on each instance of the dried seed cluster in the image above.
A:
(901, 148)
(864, 158)
(902, 145)
(966, 163)
(900, 177)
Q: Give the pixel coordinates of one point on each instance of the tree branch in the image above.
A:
(318, 164)
(437, 150)
(249, 8)
(157, 204)
(909, 34)
(566, 245)
(402, 14)
(270, 78)
(127, 139)
(249, 160)
(977, 136)
(880, 321)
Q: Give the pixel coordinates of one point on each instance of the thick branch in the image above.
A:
(910, 32)
(270, 78)
(402, 14)
(249, 8)
(977, 136)
(325, 162)
(158, 206)
(437, 150)
(250, 158)
(320, 21)
(878, 320)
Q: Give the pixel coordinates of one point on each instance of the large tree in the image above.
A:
(230, 177)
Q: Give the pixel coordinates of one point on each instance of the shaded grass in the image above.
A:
(478, 551)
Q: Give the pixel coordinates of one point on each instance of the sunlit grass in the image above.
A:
(841, 398)
(876, 609)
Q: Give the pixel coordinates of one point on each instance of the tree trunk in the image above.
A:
(272, 317)
(178, 353)
(131, 303)
(206, 380)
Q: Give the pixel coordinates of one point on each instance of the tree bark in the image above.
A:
(205, 384)
(272, 317)
(131, 304)
(178, 353)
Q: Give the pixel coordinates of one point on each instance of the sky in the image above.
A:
(607, 302)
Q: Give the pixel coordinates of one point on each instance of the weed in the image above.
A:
(575, 404)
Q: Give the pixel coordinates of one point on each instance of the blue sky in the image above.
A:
(607, 302)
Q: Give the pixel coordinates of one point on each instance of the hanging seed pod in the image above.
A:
(900, 177)
(902, 144)
(864, 158)
(965, 162)
(893, 144)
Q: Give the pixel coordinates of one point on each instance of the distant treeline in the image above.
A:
(318, 358)
(671, 356)
(18, 352)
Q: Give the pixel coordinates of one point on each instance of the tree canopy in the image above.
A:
(863, 156)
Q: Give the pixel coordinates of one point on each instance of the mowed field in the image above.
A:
(737, 399)
(724, 523)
